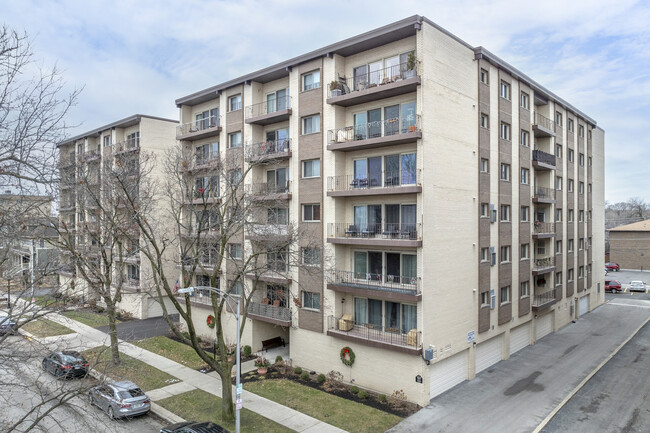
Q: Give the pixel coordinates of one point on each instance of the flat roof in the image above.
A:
(365, 41)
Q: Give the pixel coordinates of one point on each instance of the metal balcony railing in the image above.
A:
(377, 230)
(127, 145)
(268, 107)
(390, 283)
(542, 192)
(371, 79)
(385, 179)
(268, 149)
(543, 157)
(544, 122)
(377, 129)
(271, 311)
(91, 155)
(261, 189)
(198, 125)
(543, 263)
(371, 332)
(541, 227)
(544, 298)
(270, 231)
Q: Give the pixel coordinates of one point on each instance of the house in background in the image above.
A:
(629, 245)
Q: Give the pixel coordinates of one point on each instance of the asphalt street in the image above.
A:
(133, 330)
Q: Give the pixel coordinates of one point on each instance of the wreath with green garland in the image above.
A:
(347, 356)
(210, 321)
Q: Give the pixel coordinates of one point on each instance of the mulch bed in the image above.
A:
(393, 406)
(209, 348)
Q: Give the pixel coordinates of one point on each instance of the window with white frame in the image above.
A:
(558, 247)
(570, 215)
(558, 151)
(311, 212)
(524, 251)
(485, 210)
(504, 294)
(236, 287)
(525, 138)
(311, 256)
(107, 140)
(311, 300)
(570, 125)
(581, 159)
(505, 254)
(558, 118)
(133, 272)
(505, 171)
(589, 161)
(234, 139)
(525, 173)
(504, 90)
(569, 274)
(581, 272)
(581, 244)
(376, 313)
(569, 247)
(570, 155)
(581, 188)
(525, 214)
(558, 183)
(505, 131)
(581, 131)
(524, 289)
(485, 120)
(505, 213)
(581, 215)
(525, 100)
(311, 124)
(485, 165)
(485, 254)
(277, 215)
(558, 278)
(234, 103)
(485, 76)
(485, 299)
(311, 168)
(569, 185)
(311, 80)
(558, 215)
(235, 251)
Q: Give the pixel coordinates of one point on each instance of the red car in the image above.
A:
(612, 266)
(612, 286)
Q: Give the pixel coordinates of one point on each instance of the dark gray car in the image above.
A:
(7, 324)
(120, 399)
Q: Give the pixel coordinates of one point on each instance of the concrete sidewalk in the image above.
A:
(517, 394)
(88, 337)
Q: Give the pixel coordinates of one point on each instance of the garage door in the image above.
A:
(489, 353)
(154, 309)
(519, 338)
(447, 373)
(584, 305)
(543, 326)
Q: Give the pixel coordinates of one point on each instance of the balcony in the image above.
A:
(543, 160)
(543, 230)
(201, 162)
(126, 146)
(268, 151)
(264, 113)
(270, 313)
(205, 196)
(543, 265)
(543, 195)
(544, 300)
(384, 83)
(270, 191)
(402, 288)
(375, 134)
(384, 183)
(92, 155)
(379, 234)
(267, 232)
(132, 284)
(207, 127)
(374, 335)
(543, 126)
(67, 207)
(67, 161)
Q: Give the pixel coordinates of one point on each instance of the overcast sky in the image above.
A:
(139, 56)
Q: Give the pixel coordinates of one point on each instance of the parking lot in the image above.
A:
(625, 277)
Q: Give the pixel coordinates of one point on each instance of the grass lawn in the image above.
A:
(48, 301)
(202, 406)
(179, 352)
(348, 415)
(89, 318)
(45, 328)
(144, 375)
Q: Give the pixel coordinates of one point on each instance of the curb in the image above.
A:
(566, 399)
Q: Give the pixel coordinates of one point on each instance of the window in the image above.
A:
(570, 155)
(525, 212)
(505, 90)
(524, 289)
(558, 278)
(570, 125)
(505, 172)
(524, 176)
(589, 188)
(311, 212)
(525, 138)
(311, 124)
(505, 131)
(524, 251)
(485, 254)
(311, 168)
(569, 185)
(485, 299)
(581, 159)
(505, 294)
(133, 272)
(558, 247)
(485, 210)
(485, 77)
(234, 103)
(581, 272)
(569, 275)
(234, 139)
(588, 269)
(276, 260)
(204, 153)
(581, 216)
(558, 118)
(387, 314)
(569, 247)
(311, 300)
(558, 183)
(558, 215)
(234, 176)
(311, 80)
(277, 215)
(570, 216)
(581, 131)
(558, 151)
(485, 165)
(505, 212)
(525, 100)
(505, 254)
(107, 140)
(581, 244)
(311, 256)
(235, 287)
(485, 121)
(589, 161)
(581, 188)
(235, 251)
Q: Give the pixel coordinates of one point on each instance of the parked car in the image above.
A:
(637, 286)
(194, 427)
(7, 324)
(120, 399)
(612, 266)
(612, 286)
(65, 364)
(606, 271)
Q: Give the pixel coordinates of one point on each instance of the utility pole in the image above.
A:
(31, 267)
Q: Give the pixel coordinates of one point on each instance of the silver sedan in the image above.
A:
(120, 399)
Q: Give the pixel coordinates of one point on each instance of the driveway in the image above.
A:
(517, 394)
(133, 330)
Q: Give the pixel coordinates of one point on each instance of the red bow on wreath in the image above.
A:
(346, 351)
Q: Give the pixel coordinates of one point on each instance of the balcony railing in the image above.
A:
(540, 227)
(544, 193)
(366, 331)
(377, 129)
(388, 283)
(268, 231)
(543, 126)
(543, 157)
(268, 107)
(381, 77)
(268, 150)
(378, 230)
(543, 263)
(207, 123)
(545, 299)
(385, 179)
(263, 189)
(281, 314)
(127, 145)
(92, 155)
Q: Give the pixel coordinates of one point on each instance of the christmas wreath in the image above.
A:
(347, 356)
(210, 321)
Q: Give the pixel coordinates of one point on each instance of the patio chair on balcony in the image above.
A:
(359, 183)
(352, 231)
(346, 323)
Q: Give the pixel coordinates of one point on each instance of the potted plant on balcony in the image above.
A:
(262, 365)
(411, 62)
(336, 89)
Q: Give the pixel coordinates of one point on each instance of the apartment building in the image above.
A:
(88, 206)
(446, 200)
